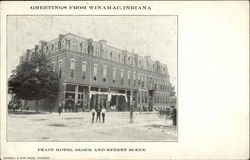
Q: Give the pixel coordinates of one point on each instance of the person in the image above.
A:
(173, 115)
(69, 103)
(59, 109)
(140, 108)
(98, 115)
(77, 106)
(93, 114)
(103, 114)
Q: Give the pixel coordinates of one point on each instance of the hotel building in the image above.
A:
(94, 73)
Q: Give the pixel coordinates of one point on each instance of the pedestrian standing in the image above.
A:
(77, 106)
(98, 115)
(173, 115)
(59, 109)
(103, 114)
(93, 114)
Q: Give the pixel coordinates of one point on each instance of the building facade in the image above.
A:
(96, 74)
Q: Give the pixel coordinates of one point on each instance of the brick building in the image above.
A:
(94, 73)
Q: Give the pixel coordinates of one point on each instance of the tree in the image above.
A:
(34, 79)
(172, 90)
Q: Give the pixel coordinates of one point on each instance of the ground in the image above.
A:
(78, 127)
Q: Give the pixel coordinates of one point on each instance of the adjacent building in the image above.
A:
(95, 73)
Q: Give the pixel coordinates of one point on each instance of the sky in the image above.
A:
(155, 36)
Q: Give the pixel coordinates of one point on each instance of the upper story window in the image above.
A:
(84, 69)
(114, 75)
(72, 68)
(53, 66)
(104, 73)
(56, 46)
(155, 82)
(140, 64)
(52, 48)
(129, 60)
(83, 47)
(111, 56)
(129, 78)
(95, 72)
(60, 68)
(122, 80)
(119, 57)
(134, 77)
(142, 81)
(63, 44)
(73, 45)
(124, 59)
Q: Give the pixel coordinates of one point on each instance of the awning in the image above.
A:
(109, 94)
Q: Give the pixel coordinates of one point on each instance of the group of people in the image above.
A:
(98, 112)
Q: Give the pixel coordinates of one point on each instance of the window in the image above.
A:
(104, 73)
(114, 75)
(53, 66)
(95, 72)
(139, 79)
(60, 68)
(129, 77)
(145, 81)
(151, 82)
(140, 65)
(84, 69)
(122, 77)
(142, 81)
(155, 83)
(72, 68)
(81, 48)
(52, 48)
(111, 56)
(129, 60)
(119, 57)
(73, 45)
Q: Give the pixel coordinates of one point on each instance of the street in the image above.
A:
(147, 126)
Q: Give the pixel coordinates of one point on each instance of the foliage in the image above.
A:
(34, 79)
(172, 90)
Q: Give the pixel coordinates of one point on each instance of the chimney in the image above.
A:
(41, 44)
(60, 37)
(36, 49)
(90, 46)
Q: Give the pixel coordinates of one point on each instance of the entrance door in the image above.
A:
(81, 99)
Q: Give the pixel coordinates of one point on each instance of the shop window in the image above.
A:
(70, 88)
(81, 89)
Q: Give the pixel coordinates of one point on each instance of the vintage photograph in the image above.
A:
(92, 78)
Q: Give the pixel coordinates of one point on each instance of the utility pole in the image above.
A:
(131, 97)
